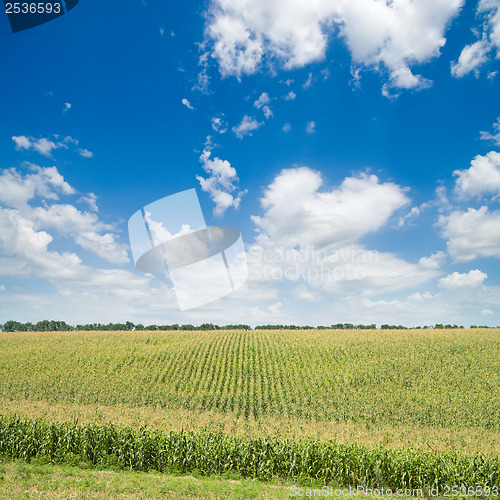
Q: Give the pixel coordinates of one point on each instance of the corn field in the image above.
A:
(445, 379)
(214, 454)
(426, 382)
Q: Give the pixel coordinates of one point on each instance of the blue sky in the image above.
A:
(359, 139)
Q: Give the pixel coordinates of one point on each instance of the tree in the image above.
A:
(12, 326)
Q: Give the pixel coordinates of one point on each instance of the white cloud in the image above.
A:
(25, 253)
(491, 10)
(86, 153)
(219, 125)
(69, 140)
(434, 261)
(303, 293)
(187, 104)
(42, 146)
(452, 306)
(298, 212)
(246, 127)
(413, 214)
(84, 228)
(472, 279)
(263, 103)
(286, 128)
(355, 82)
(103, 245)
(311, 127)
(475, 55)
(262, 100)
(16, 190)
(46, 146)
(486, 312)
(91, 200)
(159, 233)
(275, 309)
(290, 96)
(495, 137)
(22, 142)
(24, 250)
(308, 82)
(472, 234)
(335, 269)
(384, 36)
(471, 59)
(67, 107)
(65, 218)
(482, 177)
(221, 184)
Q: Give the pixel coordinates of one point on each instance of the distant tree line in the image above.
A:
(61, 326)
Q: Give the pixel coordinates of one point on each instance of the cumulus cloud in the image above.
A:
(187, 104)
(221, 183)
(495, 136)
(449, 305)
(290, 96)
(487, 312)
(472, 234)
(85, 228)
(413, 214)
(482, 177)
(303, 293)
(247, 125)
(17, 189)
(336, 269)
(42, 146)
(67, 107)
(475, 55)
(104, 245)
(263, 103)
(244, 35)
(308, 82)
(22, 142)
(471, 59)
(491, 10)
(46, 146)
(91, 200)
(299, 212)
(47, 183)
(310, 237)
(85, 153)
(25, 252)
(311, 127)
(472, 279)
(218, 124)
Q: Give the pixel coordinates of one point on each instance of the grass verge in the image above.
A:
(22, 480)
